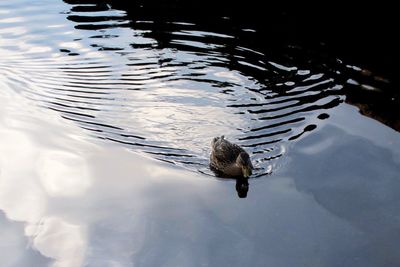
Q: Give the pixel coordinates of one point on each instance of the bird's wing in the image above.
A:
(225, 151)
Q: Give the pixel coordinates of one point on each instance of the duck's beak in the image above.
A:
(246, 170)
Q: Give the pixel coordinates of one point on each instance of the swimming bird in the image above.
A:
(229, 159)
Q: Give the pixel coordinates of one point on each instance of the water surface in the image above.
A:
(93, 99)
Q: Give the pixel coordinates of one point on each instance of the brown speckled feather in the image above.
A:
(224, 155)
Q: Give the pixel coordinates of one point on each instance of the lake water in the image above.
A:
(105, 129)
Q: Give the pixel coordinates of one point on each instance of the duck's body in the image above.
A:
(229, 159)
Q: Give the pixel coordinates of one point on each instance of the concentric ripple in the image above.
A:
(165, 88)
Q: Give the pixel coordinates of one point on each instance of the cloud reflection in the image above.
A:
(64, 188)
(63, 174)
(38, 166)
(55, 238)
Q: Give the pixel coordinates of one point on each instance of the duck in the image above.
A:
(229, 159)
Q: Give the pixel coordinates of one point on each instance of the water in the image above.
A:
(168, 93)
(93, 100)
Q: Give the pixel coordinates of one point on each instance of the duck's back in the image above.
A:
(223, 153)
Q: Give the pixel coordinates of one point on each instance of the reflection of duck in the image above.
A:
(242, 187)
(229, 159)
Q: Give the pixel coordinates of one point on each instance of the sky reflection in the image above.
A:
(55, 183)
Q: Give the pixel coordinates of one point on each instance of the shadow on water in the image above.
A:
(166, 85)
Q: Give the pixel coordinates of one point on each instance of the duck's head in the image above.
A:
(244, 162)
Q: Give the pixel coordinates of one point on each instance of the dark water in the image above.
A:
(322, 134)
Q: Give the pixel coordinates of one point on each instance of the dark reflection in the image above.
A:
(323, 116)
(308, 128)
(242, 187)
(374, 96)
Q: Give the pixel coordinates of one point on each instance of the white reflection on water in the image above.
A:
(63, 174)
(55, 238)
(47, 175)
(163, 111)
(37, 165)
